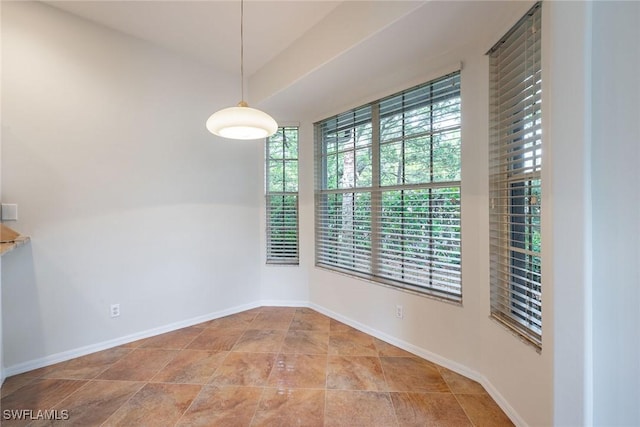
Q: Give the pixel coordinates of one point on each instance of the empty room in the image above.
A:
(320, 213)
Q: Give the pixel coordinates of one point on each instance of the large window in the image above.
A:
(282, 196)
(515, 178)
(388, 190)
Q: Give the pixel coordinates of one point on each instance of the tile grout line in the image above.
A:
(255, 411)
(208, 381)
(31, 380)
(178, 351)
(264, 387)
(88, 381)
(143, 384)
(386, 381)
(202, 387)
(455, 396)
(210, 378)
(326, 382)
(32, 422)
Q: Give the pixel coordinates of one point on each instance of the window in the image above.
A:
(515, 178)
(387, 200)
(282, 196)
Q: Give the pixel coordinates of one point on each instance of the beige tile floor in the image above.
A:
(270, 366)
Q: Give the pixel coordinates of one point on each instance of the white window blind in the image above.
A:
(388, 190)
(515, 178)
(282, 196)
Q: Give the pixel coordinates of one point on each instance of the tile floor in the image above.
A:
(270, 366)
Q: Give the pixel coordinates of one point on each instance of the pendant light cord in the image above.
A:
(242, 50)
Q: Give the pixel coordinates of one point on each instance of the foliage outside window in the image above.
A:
(282, 196)
(515, 178)
(387, 198)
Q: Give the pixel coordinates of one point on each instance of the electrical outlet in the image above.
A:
(115, 310)
(399, 311)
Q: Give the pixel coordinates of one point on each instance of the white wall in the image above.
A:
(616, 213)
(567, 256)
(127, 198)
(2, 374)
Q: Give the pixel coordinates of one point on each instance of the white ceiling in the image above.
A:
(309, 57)
(208, 31)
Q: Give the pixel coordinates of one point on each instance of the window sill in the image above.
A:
(456, 301)
(506, 324)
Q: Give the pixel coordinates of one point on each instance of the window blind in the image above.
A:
(388, 190)
(515, 178)
(282, 197)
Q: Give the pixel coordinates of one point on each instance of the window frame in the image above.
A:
(282, 249)
(515, 179)
(372, 258)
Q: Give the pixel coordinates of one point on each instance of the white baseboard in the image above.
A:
(283, 303)
(502, 402)
(83, 351)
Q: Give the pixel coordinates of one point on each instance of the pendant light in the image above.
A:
(242, 121)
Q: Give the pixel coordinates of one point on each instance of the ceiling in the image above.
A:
(296, 49)
(208, 31)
